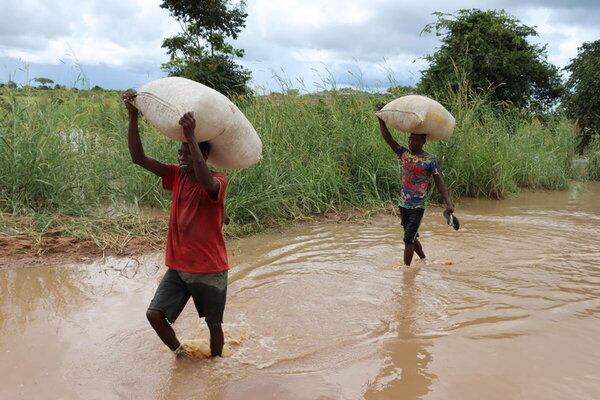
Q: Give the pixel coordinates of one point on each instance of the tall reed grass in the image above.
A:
(65, 152)
(495, 151)
(593, 156)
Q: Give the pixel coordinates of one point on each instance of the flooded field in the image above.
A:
(508, 307)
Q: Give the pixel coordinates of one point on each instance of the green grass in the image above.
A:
(593, 155)
(65, 153)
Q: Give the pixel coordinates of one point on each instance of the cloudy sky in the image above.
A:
(302, 44)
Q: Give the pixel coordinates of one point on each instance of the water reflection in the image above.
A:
(407, 374)
(46, 291)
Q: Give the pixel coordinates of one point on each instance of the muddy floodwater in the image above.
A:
(508, 307)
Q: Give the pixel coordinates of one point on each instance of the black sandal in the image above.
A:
(452, 220)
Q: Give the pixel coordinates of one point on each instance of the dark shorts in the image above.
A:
(209, 292)
(410, 218)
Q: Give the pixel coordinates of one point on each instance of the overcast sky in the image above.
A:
(116, 44)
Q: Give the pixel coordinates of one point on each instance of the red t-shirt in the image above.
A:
(195, 238)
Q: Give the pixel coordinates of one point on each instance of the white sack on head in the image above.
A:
(234, 142)
(419, 114)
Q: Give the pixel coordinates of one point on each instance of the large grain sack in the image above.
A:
(234, 142)
(419, 114)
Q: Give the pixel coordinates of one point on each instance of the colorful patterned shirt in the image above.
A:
(416, 170)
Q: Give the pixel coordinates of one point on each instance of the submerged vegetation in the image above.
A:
(64, 153)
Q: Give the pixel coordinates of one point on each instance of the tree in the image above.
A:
(44, 82)
(401, 90)
(200, 52)
(489, 50)
(582, 102)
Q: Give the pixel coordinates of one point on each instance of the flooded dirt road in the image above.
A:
(506, 308)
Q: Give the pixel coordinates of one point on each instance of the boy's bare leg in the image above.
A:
(216, 340)
(419, 249)
(163, 329)
(409, 251)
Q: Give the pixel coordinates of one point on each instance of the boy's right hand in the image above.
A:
(128, 98)
(378, 107)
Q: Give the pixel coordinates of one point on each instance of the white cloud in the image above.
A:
(311, 14)
(561, 36)
(114, 32)
(374, 37)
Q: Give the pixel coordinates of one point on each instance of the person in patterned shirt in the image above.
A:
(417, 167)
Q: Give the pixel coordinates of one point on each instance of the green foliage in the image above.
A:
(582, 102)
(593, 155)
(44, 82)
(219, 72)
(65, 152)
(401, 90)
(59, 153)
(494, 152)
(490, 48)
(200, 52)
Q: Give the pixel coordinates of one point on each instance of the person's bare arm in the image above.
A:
(441, 187)
(136, 150)
(201, 171)
(387, 136)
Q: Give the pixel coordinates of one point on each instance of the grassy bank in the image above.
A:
(65, 153)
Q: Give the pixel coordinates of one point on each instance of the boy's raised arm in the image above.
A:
(387, 136)
(201, 171)
(136, 150)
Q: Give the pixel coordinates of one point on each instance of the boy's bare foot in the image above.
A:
(420, 261)
(181, 352)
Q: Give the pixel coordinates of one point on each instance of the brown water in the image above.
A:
(506, 308)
